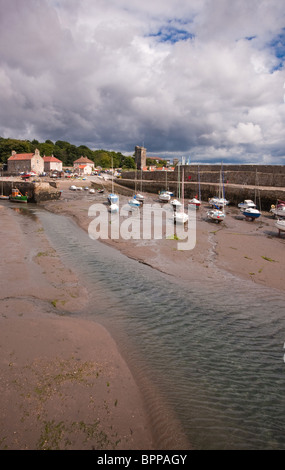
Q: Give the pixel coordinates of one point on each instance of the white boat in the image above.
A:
(113, 208)
(164, 196)
(246, 204)
(91, 191)
(280, 224)
(112, 197)
(279, 209)
(251, 213)
(218, 202)
(217, 215)
(79, 188)
(139, 197)
(134, 202)
(195, 202)
(2, 197)
(176, 203)
(179, 215)
(73, 188)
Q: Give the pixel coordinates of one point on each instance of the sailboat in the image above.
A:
(165, 195)
(112, 197)
(217, 213)
(180, 216)
(252, 213)
(134, 202)
(196, 200)
(220, 201)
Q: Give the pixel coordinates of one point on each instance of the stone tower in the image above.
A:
(140, 157)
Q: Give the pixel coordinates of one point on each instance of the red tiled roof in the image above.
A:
(21, 156)
(51, 159)
(83, 160)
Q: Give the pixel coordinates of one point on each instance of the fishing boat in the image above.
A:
(246, 204)
(17, 196)
(251, 213)
(280, 224)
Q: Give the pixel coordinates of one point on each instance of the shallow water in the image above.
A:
(214, 350)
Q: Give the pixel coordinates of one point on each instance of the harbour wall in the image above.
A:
(263, 183)
(36, 192)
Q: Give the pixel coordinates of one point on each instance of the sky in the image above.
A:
(200, 79)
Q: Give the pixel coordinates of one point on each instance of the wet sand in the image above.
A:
(65, 384)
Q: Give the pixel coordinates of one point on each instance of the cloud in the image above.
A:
(199, 78)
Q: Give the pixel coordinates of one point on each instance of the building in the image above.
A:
(52, 164)
(83, 166)
(140, 157)
(25, 163)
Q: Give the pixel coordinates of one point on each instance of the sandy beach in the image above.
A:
(64, 384)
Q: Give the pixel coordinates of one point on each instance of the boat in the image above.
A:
(195, 202)
(246, 204)
(176, 203)
(219, 201)
(279, 209)
(17, 196)
(100, 190)
(179, 215)
(134, 202)
(91, 191)
(280, 224)
(251, 213)
(164, 196)
(216, 214)
(112, 197)
(73, 188)
(138, 196)
(113, 208)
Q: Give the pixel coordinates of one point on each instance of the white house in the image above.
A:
(52, 164)
(83, 166)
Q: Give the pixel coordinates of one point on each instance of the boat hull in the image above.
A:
(21, 199)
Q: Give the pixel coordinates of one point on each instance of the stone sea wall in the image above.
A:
(264, 183)
(36, 192)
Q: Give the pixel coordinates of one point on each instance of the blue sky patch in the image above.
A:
(172, 34)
